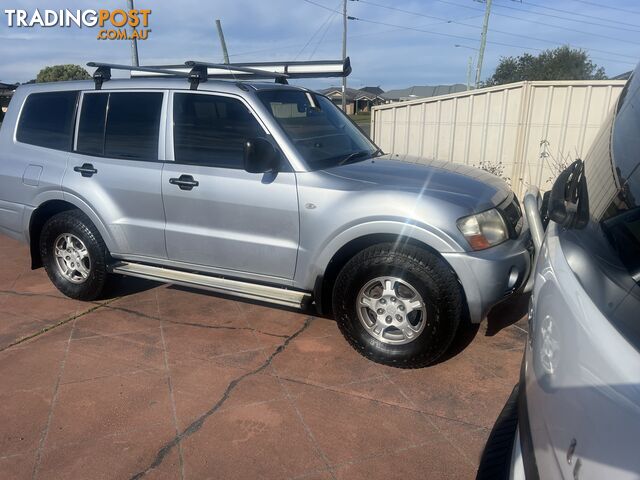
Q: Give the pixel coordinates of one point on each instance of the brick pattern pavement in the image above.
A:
(162, 382)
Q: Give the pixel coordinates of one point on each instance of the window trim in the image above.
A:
(161, 123)
(170, 152)
(73, 120)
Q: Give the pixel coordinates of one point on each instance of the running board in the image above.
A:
(253, 291)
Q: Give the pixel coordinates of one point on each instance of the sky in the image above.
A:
(391, 43)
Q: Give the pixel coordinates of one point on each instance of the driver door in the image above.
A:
(218, 216)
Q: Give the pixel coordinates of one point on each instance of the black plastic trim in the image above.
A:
(526, 441)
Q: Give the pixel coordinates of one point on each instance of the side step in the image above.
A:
(253, 291)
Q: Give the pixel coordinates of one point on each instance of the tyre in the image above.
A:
(74, 255)
(399, 306)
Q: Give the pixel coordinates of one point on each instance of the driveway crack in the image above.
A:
(197, 325)
(56, 325)
(199, 422)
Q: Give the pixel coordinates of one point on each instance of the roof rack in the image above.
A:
(198, 72)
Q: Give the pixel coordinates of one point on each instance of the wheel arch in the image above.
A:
(48, 209)
(324, 282)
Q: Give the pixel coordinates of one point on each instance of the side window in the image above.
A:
(93, 115)
(133, 125)
(211, 130)
(47, 119)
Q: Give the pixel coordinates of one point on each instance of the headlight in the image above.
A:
(484, 230)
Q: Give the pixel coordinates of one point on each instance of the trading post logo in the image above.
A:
(115, 24)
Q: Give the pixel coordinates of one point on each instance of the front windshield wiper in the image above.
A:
(360, 154)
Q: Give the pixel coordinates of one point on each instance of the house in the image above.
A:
(374, 90)
(357, 100)
(421, 91)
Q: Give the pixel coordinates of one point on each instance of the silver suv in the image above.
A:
(260, 190)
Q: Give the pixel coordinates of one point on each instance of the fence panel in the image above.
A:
(527, 131)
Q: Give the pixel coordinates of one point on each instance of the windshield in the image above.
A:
(321, 133)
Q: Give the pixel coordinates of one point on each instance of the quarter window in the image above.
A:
(47, 119)
(211, 130)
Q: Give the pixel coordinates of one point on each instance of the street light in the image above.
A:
(469, 63)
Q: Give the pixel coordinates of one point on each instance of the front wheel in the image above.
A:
(74, 255)
(399, 306)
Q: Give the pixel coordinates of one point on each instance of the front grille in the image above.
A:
(512, 214)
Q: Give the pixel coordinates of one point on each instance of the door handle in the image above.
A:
(86, 170)
(185, 182)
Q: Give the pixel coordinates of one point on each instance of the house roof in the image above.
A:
(374, 90)
(423, 91)
(8, 86)
(351, 93)
(623, 76)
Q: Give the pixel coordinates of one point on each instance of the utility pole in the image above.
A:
(134, 41)
(222, 42)
(344, 54)
(483, 41)
(469, 63)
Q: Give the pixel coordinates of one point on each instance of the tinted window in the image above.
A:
(133, 124)
(47, 119)
(91, 128)
(323, 135)
(211, 130)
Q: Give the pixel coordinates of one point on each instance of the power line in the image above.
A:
(323, 6)
(409, 12)
(634, 12)
(322, 25)
(358, 35)
(473, 39)
(538, 22)
(324, 34)
(577, 14)
(617, 27)
(450, 35)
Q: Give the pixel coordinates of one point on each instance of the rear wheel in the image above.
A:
(400, 306)
(74, 255)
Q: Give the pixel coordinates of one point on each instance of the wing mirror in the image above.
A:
(568, 204)
(260, 156)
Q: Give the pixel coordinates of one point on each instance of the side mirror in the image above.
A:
(568, 205)
(260, 156)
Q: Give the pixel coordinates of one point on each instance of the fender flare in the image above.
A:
(433, 238)
(78, 203)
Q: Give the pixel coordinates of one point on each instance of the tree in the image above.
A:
(60, 73)
(562, 63)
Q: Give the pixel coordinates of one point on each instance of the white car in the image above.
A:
(578, 402)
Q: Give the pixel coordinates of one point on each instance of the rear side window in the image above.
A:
(211, 130)
(133, 125)
(47, 119)
(120, 125)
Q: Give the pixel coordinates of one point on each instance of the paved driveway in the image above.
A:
(162, 382)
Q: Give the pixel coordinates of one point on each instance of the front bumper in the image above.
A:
(491, 275)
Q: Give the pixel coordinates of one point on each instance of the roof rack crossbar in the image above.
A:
(197, 72)
(232, 69)
(103, 71)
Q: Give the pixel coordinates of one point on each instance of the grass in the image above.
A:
(362, 117)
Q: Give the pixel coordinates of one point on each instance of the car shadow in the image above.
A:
(507, 313)
(122, 286)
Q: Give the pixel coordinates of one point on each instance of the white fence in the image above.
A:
(526, 131)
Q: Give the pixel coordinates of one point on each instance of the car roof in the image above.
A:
(225, 86)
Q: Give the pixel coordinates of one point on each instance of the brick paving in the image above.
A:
(162, 382)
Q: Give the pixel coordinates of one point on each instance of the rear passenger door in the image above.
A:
(115, 168)
(229, 220)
